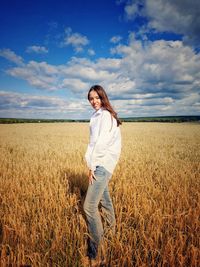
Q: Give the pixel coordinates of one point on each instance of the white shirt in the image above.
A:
(104, 147)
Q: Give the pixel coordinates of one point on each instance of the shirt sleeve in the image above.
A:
(103, 140)
(88, 156)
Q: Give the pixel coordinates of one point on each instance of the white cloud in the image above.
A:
(115, 39)
(131, 9)
(11, 56)
(180, 17)
(160, 66)
(75, 85)
(76, 40)
(91, 52)
(109, 64)
(149, 78)
(37, 49)
(87, 71)
(19, 105)
(40, 75)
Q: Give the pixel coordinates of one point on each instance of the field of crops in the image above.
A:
(155, 190)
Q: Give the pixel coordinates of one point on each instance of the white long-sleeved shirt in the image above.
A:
(104, 147)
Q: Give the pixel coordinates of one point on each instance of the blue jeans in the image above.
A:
(98, 193)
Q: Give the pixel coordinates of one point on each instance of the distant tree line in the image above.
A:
(164, 119)
(16, 120)
(130, 119)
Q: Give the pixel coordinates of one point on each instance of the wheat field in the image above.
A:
(155, 190)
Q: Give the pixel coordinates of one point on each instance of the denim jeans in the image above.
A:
(98, 193)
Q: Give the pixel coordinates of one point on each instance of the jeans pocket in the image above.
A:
(100, 171)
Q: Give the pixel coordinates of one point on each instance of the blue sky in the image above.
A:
(146, 54)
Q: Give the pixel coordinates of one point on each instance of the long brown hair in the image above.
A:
(104, 101)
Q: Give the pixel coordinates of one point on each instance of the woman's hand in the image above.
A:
(91, 176)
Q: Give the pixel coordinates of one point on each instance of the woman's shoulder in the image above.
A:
(106, 113)
(108, 116)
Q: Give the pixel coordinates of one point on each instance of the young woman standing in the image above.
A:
(102, 155)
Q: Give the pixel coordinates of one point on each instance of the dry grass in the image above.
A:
(155, 190)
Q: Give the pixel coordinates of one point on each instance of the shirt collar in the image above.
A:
(97, 112)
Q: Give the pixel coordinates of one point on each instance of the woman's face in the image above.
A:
(95, 100)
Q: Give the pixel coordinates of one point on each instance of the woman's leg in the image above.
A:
(93, 197)
(108, 209)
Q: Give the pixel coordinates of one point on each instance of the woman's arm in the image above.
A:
(103, 140)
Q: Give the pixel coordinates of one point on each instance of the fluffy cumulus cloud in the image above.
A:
(168, 72)
(115, 39)
(38, 74)
(75, 76)
(88, 70)
(11, 56)
(37, 49)
(75, 84)
(91, 52)
(20, 105)
(144, 75)
(76, 40)
(180, 17)
(141, 78)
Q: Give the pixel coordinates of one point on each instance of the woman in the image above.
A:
(101, 156)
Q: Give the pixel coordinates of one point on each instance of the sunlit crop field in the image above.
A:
(155, 190)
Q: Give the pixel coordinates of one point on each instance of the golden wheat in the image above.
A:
(155, 190)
